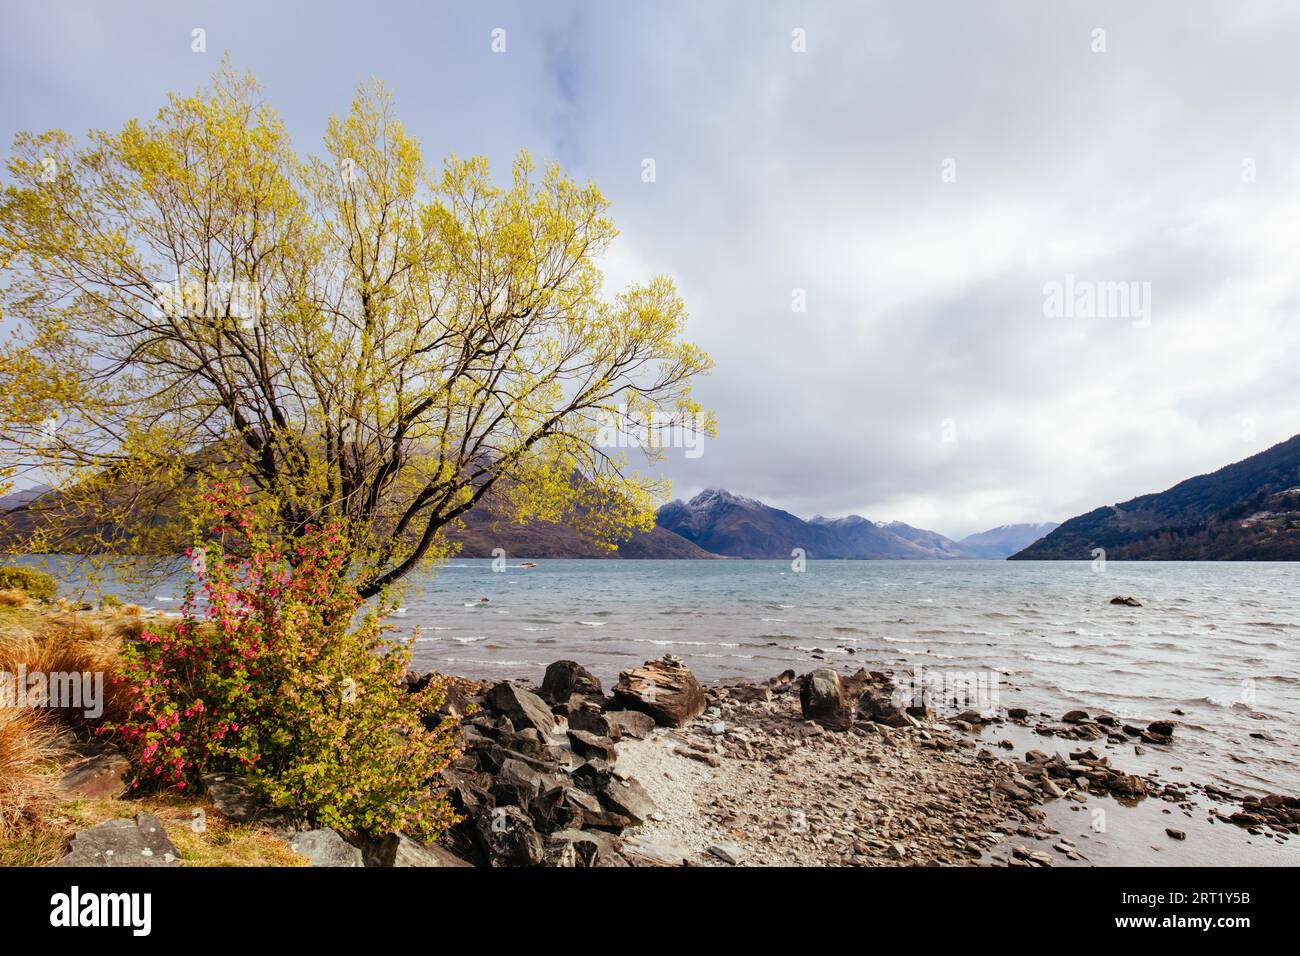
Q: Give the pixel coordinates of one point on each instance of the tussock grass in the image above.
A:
(28, 748)
(13, 597)
(41, 641)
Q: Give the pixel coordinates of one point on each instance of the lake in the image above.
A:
(1218, 642)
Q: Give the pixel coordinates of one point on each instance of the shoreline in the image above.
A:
(757, 778)
(823, 768)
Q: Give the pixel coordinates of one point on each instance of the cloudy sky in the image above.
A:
(914, 174)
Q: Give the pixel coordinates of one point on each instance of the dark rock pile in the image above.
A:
(1273, 812)
(538, 783)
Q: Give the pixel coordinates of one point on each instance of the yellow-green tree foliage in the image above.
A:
(358, 337)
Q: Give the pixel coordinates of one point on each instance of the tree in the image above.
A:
(363, 341)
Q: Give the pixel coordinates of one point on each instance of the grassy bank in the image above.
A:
(38, 816)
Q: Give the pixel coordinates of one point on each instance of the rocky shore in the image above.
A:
(816, 769)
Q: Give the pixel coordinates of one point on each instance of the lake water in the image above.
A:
(1219, 642)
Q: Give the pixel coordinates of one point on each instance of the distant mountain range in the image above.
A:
(738, 527)
(713, 524)
(1248, 511)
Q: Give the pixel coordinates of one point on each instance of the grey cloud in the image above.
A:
(820, 171)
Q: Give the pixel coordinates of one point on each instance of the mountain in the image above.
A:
(739, 527)
(484, 531)
(869, 539)
(1005, 540)
(715, 523)
(1247, 511)
(932, 542)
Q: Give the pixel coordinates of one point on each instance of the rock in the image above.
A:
(590, 747)
(629, 799)
(399, 850)
(881, 708)
(1175, 834)
(630, 723)
(821, 699)
(1075, 716)
(591, 848)
(1017, 713)
(1161, 728)
(560, 854)
(99, 776)
(518, 784)
(564, 679)
(562, 808)
(972, 717)
(644, 852)
(523, 707)
(596, 722)
(593, 776)
(1126, 601)
(507, 838)
(752, 693)
(698, 755)
(665, 689)
(717, 728)
(235, 800)
(727, 853)
(324, 848)
(136, 841)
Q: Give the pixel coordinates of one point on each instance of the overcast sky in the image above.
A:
(921, 171)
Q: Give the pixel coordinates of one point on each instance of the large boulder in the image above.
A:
(563, 807)
(518, 784)
(594, 776)
(882, 708)
(821, 698)
(507, 838)
(233, 796)
(325, 848)
(98, 776)
(629, 723)
(523, 707)
(595, 721)
(591, 847)
(136, 841)
(397, 849)
(589, 746)
(564, 679)
(665, 689)
(630, 799)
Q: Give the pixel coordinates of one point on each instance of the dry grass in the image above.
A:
(217, 843)
(37, 641)
(28, 748)
(14, 598)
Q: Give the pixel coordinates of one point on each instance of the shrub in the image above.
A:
(37, 584)
(277, 681)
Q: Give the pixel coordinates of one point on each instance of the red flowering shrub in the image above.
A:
(285, 678)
